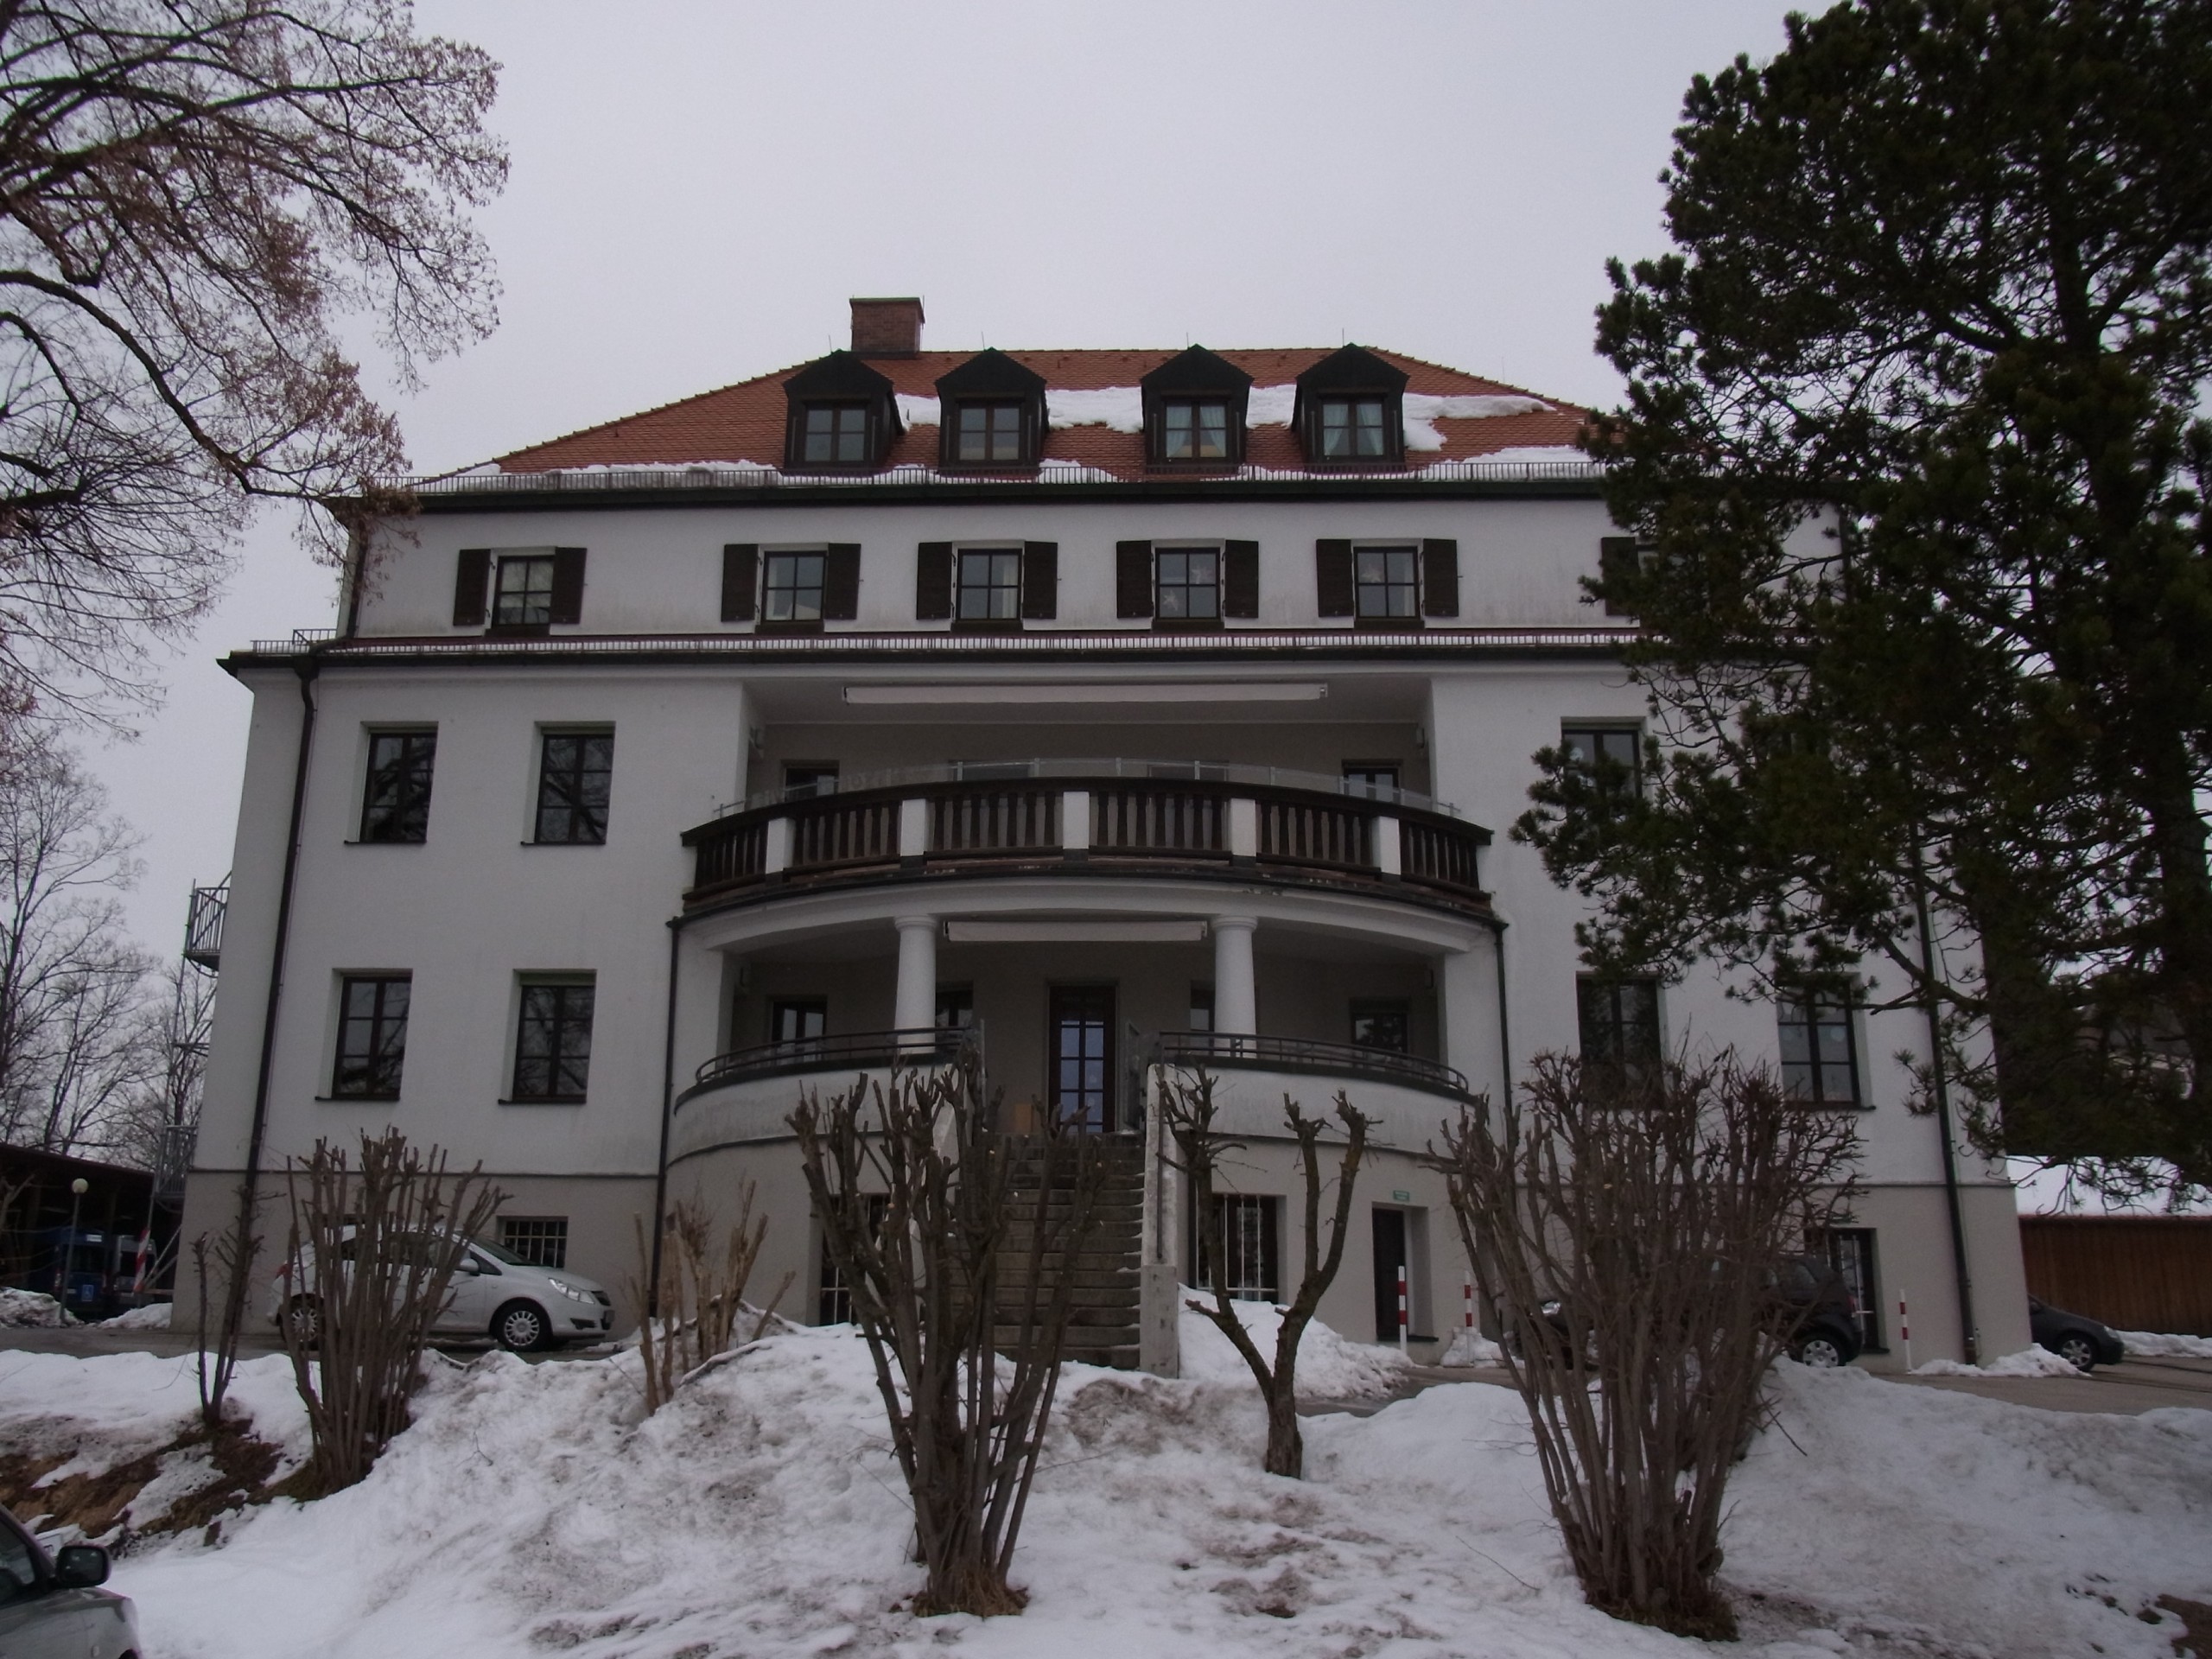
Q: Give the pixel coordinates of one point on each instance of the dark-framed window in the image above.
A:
(553, 1041)
(1619, 1022)
(1194, 429)
(834, 434)
(1613, 754)
(1355, 429)
(1371, 780)
(575, 774)
(987, 431)
(1244, 1232)
(834, 1297)
(371, 1036)
(521, 595)
(396, 799)
(798, 1018)
(1850, 1251)
(989, 585)
(805, 780)
(541, 1241)
(1382, 1023)
(1081, 1018)
(791, 586)
(1386, 583)
(1199, 1017)
(1820, 1046)
(956, 1007)
(1188, 584)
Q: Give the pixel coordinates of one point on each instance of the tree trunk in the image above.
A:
(1285, 1445)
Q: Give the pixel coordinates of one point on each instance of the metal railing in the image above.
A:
(203, 926)
(1196, 1048)
(856, 1050)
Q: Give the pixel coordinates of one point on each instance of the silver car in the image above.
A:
(52, 1606)
(495, 1294)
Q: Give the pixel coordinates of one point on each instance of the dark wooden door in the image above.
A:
(1081, 1056)
(1390, 1257)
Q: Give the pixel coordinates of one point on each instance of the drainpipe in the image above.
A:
(234, 1314)
(667, 1110)
(1931, 1007)
(1504, 1034)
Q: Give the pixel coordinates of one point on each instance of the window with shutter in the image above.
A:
(1190, 588)
(522, 594)
(933, 582)
(741, 569)
(472, 575)
(1040, 579)
(568, 600)
(1132, 579)
(1239, 579)
(1439, 578)
(841, 591)
(1332, 578)
(791, 591)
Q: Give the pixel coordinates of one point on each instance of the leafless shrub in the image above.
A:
(1189, 1110)
(924, 1275)
(692, 1314)
(367, 1267)
(1652, 1216)
(230, 1258)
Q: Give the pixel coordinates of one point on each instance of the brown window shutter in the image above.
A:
(1439, 578)
(1239, 579)
(933, 582)
(741, 579)
(1615, 566)
(840, 583)
(567, 584)
(1040, 579)
(1332, 578)
(1133, 578)
(472, 575)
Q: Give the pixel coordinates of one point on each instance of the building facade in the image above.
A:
(1105, 711)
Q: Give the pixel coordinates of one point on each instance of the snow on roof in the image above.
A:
(1095, 411)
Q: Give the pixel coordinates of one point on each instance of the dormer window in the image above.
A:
(1194, 408)
(843, 418)
(1350, 410)
(993, 415)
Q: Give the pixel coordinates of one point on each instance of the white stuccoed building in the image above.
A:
(1102, 708)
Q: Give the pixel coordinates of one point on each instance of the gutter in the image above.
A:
(667, 1113)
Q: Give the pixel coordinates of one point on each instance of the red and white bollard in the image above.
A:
(1904, 1330)
(1467, 1301)
(1401, 1307)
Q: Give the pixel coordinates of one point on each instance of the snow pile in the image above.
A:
(2158, 1344)
(133, 1403)
(1423, 409)
(918, 411)
(1329, 1368)
(155, 1316)
(1118, 409)
(1471, 1348)
(29, 1309)
(2029, 1362)
(1523, 454)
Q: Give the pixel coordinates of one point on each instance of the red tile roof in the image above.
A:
(746, 421)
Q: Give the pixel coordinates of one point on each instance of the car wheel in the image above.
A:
(2078, 1351)
(520, 1328)
(1820, 1351)
(304, 1315)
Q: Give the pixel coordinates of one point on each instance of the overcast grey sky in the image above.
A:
(698, 187)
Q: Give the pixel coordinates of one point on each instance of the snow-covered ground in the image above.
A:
(2156, 1344)
(533, 1510)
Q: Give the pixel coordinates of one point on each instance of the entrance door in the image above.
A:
(1390, 1257)
(1082, 1038)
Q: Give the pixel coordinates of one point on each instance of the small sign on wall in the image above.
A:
(1401, 1197)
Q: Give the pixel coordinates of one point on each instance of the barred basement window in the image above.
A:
(371, 1036)
(1243, 1231)
(575, 773)
(834, 1297)
(553, 1041)
(395, 802)
(541, 1241)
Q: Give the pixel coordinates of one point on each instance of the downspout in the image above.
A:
(251, 1180)
(667, 1112)
(1932, 1008)
(1505, 1032)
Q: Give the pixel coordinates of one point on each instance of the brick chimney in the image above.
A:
(887, 327)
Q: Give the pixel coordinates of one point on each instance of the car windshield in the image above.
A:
(500, 1252)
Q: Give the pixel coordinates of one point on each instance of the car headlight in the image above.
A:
(572, 1293)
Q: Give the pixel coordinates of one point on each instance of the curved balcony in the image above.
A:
(1098, 817)
(858, 1051)
(1225, 1049)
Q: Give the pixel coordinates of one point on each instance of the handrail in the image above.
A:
(1191, 1048)
(856, 1050)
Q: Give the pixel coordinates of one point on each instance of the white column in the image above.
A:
(915, 1006)
(1467, 1009)
(1236, 1005)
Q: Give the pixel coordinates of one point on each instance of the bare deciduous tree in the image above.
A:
(226, 1259)
(693, 1314)
(195, 196)
(924, 1275)
(1201, 1147)
(1632, 1232)
(368, 1262)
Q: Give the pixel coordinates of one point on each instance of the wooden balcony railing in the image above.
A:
(1106, 825)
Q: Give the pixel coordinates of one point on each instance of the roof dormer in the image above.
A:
(991, 414)
(843, 417)
(1351, 411)
(1194, 410)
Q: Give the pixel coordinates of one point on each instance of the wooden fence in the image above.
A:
(2135, 1273)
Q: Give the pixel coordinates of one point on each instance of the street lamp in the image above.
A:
(77, 1188)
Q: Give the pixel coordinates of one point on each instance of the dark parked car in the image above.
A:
(1812, 1306)
(51, 1606)
(2079, 1340)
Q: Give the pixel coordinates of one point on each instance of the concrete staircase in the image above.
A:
(1103, 1324)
